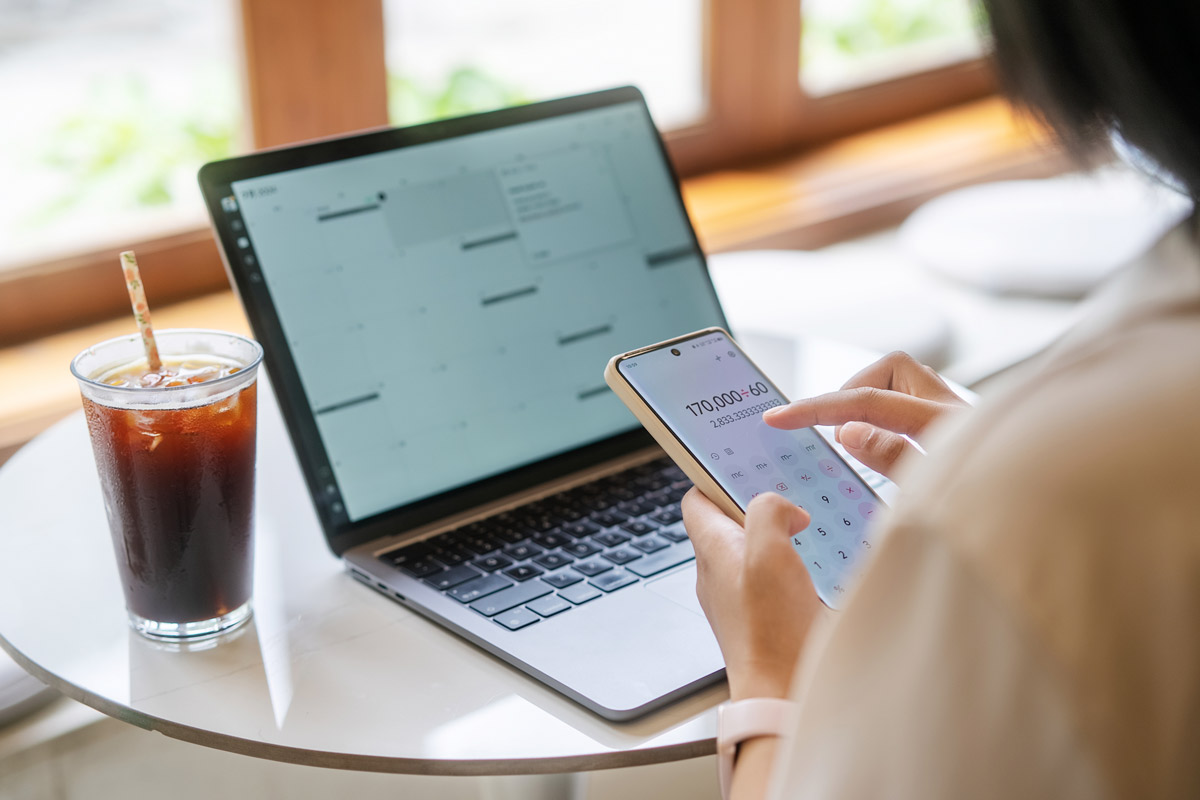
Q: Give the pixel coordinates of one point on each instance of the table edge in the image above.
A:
(474, 767)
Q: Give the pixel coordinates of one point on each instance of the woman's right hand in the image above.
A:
(877, 410)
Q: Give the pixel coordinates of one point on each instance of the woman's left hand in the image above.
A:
(754, 589)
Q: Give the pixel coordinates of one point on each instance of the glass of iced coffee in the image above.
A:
(175, 448)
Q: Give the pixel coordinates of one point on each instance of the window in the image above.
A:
(850, 43)
(446, 59)
(120, 102)
(132, 95)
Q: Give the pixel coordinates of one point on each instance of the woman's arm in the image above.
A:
(752, 584)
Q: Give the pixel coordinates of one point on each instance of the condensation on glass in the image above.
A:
(446, 59)
(849, 43)
(117, 104)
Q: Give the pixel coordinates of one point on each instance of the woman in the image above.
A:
(1029, 625)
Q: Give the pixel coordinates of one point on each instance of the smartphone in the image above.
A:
(702, 400)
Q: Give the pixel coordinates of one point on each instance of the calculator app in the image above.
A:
(712, 397)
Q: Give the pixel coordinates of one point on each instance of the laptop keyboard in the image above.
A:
(547, 557)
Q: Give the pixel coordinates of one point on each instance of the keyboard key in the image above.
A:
(652, 544)
(611, 581)
(622, 555)
(509, 534)
(652, 483)
(676, 493)
(639, 527)
(517, 618)
(535, 522)
(553, 560)
(666, 516)
(522, 551)
(568, 513)
(549, 605)
(622, 493)
(659, 498)
(635, 508)
(663, 560)
(609, 518)
(517, 595)
(522, 572)
(580, 593)
(493, 562)
(593, 567)
(551, 539)
(482, 545)
(421, 569)
(580, 529)
(480, 587)
(610, 539)
(599, 502)
(581, 549)
(675, 533)
(453, 556)
(452, 577)
(561, 580)
(447, 539)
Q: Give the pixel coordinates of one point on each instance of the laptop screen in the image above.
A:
(448, 306)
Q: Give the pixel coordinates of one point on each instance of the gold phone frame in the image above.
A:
(664, 435)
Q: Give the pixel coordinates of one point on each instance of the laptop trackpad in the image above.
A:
(679, 588)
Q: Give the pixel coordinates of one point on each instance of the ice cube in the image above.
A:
(208, 373)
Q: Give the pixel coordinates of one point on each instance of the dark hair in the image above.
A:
(1092, 67)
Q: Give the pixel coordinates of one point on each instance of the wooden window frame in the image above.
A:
(758, 111)
(315, 69)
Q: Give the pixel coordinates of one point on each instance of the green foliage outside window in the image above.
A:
(465, 90)
(869, 28)
(127, 149)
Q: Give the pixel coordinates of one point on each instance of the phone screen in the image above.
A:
(712, 398)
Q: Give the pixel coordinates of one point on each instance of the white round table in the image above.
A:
(328, 673)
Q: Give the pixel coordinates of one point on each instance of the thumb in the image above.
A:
(879, 449)
(770, 522)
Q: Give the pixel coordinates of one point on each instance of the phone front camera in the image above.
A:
(675, 352)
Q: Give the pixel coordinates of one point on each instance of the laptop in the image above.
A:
(436, 305)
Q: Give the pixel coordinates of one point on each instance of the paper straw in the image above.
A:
(141, 309)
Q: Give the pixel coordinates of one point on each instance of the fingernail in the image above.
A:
(854, 434)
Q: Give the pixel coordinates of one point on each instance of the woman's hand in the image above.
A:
(894, 398)
(754, 589)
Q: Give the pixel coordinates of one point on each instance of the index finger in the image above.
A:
(893, 411)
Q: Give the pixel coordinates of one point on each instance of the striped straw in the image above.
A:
(141, 310)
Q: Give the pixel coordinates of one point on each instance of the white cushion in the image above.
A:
(1057, 237)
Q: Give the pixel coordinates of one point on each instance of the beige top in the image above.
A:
(1030, 626)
